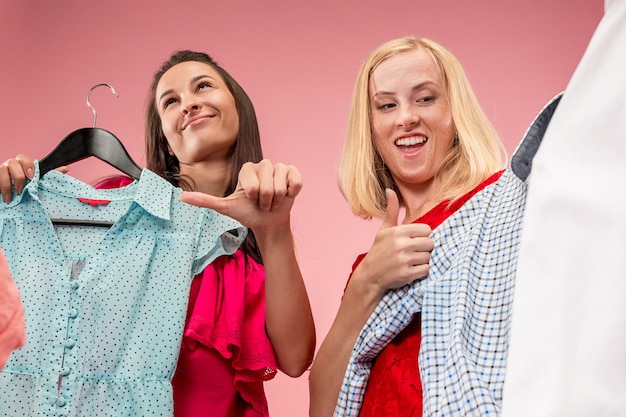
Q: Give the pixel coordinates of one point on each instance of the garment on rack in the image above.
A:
(465, 301)
(105, 307)
(568, 337)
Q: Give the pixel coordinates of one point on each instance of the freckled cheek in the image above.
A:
(381, 125)
(382, 139)
(382, 146)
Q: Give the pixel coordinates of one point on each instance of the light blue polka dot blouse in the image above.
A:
(105, 306)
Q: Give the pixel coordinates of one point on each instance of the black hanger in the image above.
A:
(91, 141)
(84, 143)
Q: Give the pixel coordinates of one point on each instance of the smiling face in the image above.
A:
(411, 120)
(198, 114)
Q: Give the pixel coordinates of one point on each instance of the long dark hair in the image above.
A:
(247, 146)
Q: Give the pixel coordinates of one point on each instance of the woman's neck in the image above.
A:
(419, 200)
(209, 177)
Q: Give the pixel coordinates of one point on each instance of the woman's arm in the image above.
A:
(329, 366)
(398, 256)
(288, 316)
(262, 201)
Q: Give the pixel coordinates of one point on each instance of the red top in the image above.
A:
(226, 353)
(394, 387)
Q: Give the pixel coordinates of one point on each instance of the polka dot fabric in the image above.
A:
(105, 306)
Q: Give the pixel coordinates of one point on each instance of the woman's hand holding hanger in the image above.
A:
(14, 172)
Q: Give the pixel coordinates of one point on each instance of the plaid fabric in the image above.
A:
(465, 301)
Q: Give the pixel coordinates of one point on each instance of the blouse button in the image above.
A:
(73, 313)
(61, 402)
(65, 371)
(74, 285)
(69, 343)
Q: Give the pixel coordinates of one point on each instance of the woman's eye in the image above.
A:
(203, 85)
(168, 101)
(386, 106)
(426, 99)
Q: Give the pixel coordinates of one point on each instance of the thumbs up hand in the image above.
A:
(263, 198)
(400, 252)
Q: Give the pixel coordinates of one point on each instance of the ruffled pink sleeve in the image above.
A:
(12, 325)
(227, 313)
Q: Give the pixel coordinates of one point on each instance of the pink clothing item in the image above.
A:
(214, 385)
(114, 182)
(226, 315)
(12, 323)
(226, 354)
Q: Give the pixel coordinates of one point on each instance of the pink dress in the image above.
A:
(226, 354)
(12, 325)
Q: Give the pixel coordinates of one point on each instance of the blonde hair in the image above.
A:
(363, 176)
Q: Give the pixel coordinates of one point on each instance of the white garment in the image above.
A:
(567, 352)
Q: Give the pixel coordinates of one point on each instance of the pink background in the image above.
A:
(298, 62)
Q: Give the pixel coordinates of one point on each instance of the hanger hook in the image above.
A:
(89, 94)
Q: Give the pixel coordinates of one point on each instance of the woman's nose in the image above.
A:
(408, 118)
(190, 106)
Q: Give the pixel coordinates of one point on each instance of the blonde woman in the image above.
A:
(417, 139)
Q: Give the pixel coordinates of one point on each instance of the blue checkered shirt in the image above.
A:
(465, 301)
